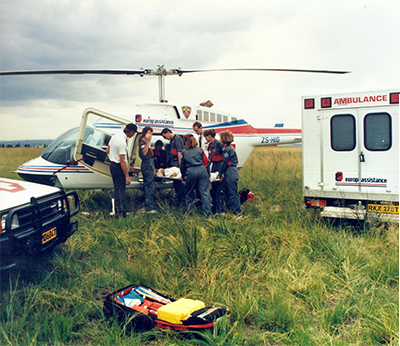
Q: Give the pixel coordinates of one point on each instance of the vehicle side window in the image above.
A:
(378, 131)
(343, 132)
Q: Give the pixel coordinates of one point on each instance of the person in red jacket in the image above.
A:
(229, 175)
(215, 157)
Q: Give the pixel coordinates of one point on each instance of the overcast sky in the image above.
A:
(357, 36)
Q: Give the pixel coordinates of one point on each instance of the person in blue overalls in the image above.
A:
(229, 175)
(215, 157)
(194, 171)
(147, 167)
(160, 157)
(174, 154)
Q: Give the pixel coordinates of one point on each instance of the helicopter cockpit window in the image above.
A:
(61, 150)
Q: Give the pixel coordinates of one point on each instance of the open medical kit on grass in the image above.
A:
(146, 308)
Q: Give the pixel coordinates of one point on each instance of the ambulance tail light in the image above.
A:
(326, 102)
(309, 103)
(394, 98)
(318, 203)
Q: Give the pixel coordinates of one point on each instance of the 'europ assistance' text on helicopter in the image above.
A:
(77, 158)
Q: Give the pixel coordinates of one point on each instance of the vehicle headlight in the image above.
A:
(3, 223)
(14, 222)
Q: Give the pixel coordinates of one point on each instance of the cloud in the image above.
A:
(50, 34)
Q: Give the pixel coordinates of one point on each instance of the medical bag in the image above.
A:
(145, 308)
(246, 195)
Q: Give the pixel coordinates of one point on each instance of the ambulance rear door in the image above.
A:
(379, 151)
(360, 151)
(340, 163)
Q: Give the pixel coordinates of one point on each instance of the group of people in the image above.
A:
(206, 166)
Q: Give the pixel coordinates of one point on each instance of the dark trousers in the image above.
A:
(228, 189)
(148, 182)
(214, 197)
(119, 182)
(197, 178)
(179, 190)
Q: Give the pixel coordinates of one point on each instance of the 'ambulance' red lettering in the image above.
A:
(366, 99)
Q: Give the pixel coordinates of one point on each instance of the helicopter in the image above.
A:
(77, 158)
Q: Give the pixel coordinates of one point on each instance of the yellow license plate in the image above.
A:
(49, 235)
(382, 208)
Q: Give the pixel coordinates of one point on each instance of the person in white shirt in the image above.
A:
(198, 129)
(117, 151)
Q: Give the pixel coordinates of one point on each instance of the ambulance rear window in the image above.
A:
(343, 132)
(378, 131)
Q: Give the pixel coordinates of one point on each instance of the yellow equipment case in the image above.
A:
(146, 308)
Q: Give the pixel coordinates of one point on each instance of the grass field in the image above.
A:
(287, 277)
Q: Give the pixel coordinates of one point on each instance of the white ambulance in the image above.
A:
(34, 219)
(351, 155)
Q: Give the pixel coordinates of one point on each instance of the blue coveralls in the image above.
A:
(229, 185)
(215, 157)
(176, 145)
(193, 169)
(160, 160)
(147, 168)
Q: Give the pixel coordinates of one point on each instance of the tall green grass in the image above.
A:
(288, 277)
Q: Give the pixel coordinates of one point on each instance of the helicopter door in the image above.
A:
(95, 132)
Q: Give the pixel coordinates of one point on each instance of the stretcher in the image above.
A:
(145, 308)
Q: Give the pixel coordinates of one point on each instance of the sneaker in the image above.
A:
(152, 212)
(238, 217)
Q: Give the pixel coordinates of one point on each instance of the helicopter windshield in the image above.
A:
(61, 150)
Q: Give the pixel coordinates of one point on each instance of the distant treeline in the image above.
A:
(25, 143)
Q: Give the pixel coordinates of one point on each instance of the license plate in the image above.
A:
(382, 208)
(49, 235)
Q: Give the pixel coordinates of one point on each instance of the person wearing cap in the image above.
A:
(117, 151)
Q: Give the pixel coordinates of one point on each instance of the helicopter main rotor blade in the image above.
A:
(161, 71)
(103, 72)
(180, 72)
